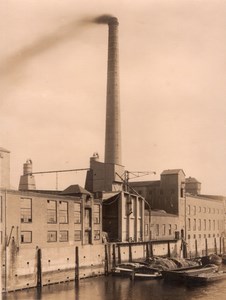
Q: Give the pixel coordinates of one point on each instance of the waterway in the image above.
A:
(118, 288)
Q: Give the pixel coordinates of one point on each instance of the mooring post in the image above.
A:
(130, 253)
(114, 256)
(147, 250)
(119, 254)
(106, 260)
(76, 264)
(151, 249)
(39, 268)
(168, 244)
(223, 241)
(220, 245)
(206, 242)
(215, 245)
(196, 248)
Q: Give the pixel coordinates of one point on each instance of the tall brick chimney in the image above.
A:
(113, 126)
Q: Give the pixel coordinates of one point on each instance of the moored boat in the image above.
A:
(204, 278)
(145, 272)
(125, 269)
(182, 273)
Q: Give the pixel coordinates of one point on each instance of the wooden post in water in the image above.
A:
(39, 268)
(114, 256)
(130, 253)
(206, 242)
(196, 248)
(151, 249)
(106, 260)
(76, 264)
(223, 241)
(147, 250)
(220, 245)
(119, 254)
(168, 250)
(215, 245)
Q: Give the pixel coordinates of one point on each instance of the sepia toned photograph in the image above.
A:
(113, 149)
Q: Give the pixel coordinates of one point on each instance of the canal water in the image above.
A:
(118, 288)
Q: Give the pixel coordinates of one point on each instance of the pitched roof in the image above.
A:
(75, 189)
(172, 171)
(4, 150)
(191, 179)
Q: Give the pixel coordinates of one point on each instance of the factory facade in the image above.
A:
(54, 236)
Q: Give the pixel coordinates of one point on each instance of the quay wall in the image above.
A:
(24, 267)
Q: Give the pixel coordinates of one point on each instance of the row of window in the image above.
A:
(194, 209)
(165, 230)
(26, 212)
(199, 224)
(204, 236)
(26, 236)
(161, 192)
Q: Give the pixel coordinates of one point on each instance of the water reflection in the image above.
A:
(112, 288)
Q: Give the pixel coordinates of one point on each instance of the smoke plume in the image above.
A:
(41, 45)
(49, 41)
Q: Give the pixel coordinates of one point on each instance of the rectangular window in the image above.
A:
(209, 224)
(63, 236)
(157, 229)
(96, 234)
(77, 235)
(194, 224)
(189, 209)
(204, 224)
(214, 224)
(175, 227)
(51, 236)
(63, 212)
(189, 224)
(194, 210)
(96, 214)
(26, 237)
(200, 209)
(170, 229)
(77, 213)
(51, 211)
(1, 237)
(163, 229)
(199, 224)
(25, 210)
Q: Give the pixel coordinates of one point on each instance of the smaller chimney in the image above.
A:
(27, 180)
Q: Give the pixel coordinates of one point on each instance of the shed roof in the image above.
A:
(75, 189)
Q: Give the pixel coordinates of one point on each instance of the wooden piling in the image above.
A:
(220, 245)
(147, 250)
(106, 260)
(39, 268)
(215, 245)
(168, 245)
(130, 253)
(206, 243)
(151, 249)
(196, 248)
(77, 264)
(119, 254)
(114, 256)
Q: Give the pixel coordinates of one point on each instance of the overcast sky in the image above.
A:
(53, 67)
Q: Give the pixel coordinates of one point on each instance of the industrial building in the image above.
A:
(53, 236)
